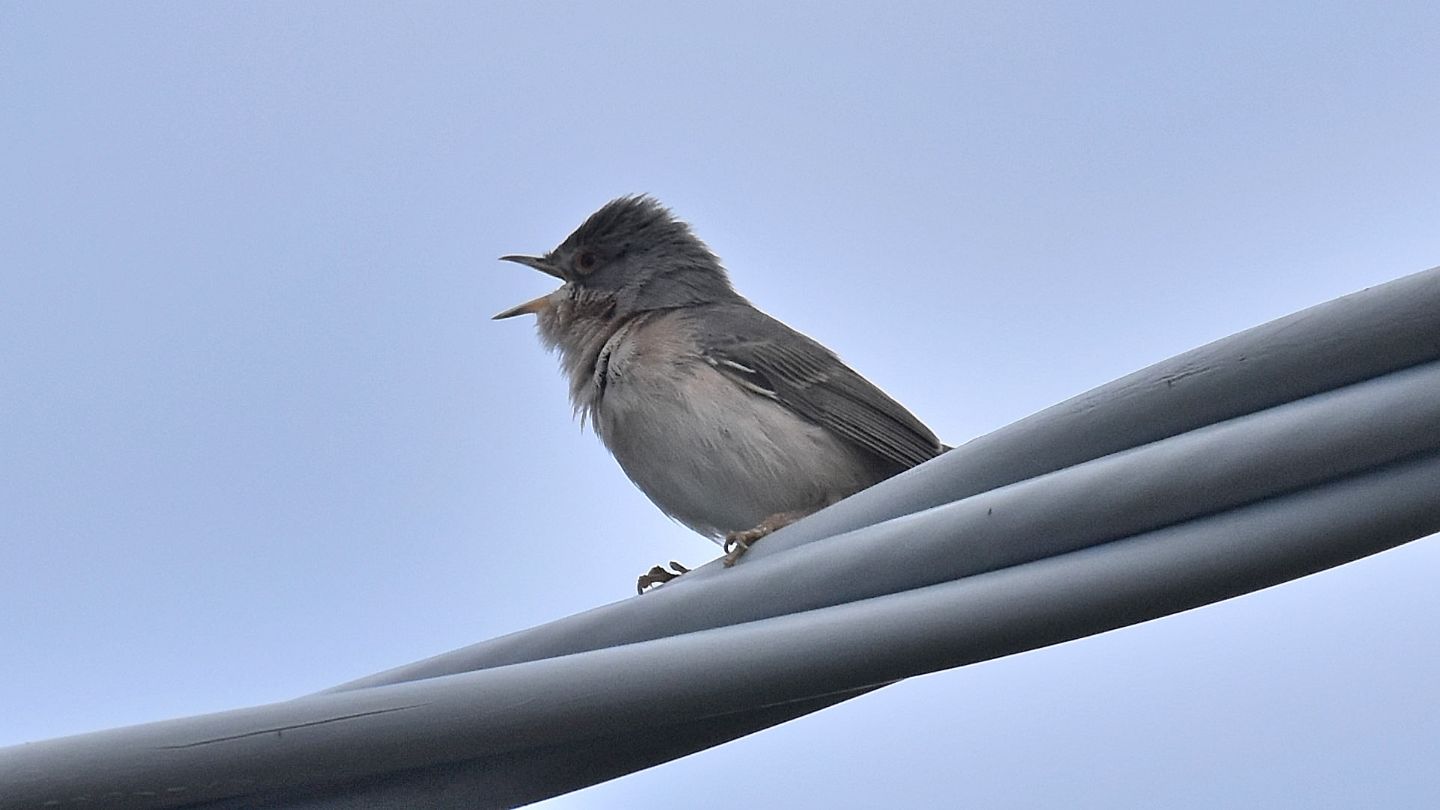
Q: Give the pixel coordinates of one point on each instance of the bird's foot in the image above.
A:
(737, 543)
(659, 576)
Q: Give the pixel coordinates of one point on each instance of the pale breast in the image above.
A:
(708, 452)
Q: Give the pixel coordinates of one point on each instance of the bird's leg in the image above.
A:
(657, 576)
(737, 543)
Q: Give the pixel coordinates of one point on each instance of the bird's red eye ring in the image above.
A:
(584, 262)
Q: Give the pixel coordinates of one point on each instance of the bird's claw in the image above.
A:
(659, 576)
(737, 543)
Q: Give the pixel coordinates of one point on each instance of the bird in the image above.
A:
(731, 422)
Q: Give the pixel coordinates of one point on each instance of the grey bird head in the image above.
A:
(631, 256)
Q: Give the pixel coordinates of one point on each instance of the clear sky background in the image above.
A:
(258, 435)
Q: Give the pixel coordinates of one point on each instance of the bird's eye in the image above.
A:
(584, 262)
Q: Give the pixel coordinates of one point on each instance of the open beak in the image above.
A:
(535, 262)
(532, 307)
(535, 305)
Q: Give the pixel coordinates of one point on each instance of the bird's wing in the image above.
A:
(772, 360)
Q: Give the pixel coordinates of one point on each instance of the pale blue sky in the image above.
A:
(259, 436)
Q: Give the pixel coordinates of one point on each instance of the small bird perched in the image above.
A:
(731, 422)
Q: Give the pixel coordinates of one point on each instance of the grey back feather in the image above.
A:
(771, 359)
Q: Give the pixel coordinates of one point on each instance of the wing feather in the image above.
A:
(773, 360)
